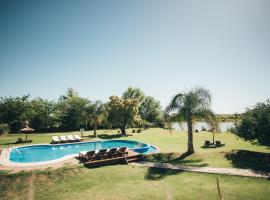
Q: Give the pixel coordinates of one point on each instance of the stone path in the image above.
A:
(227, 171)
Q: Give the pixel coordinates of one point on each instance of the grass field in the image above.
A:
(173, 145)
(127, 182)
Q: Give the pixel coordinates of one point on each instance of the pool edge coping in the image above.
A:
(5, 154)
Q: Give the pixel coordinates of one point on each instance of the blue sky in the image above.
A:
(99, 48)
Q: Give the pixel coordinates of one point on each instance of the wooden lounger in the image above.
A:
(88, 156)
(109, 161)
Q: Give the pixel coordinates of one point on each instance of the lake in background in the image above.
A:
(224, 126)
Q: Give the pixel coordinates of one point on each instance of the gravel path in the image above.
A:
(213, 170)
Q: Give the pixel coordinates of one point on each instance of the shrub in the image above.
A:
(255, 124)
(4, 129)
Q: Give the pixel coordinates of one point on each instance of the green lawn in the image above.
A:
(127, 182)
(173, 145)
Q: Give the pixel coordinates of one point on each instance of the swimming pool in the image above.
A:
(42, 153)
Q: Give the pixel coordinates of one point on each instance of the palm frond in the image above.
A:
(176, 102)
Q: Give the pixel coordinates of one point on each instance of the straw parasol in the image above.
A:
(27, 129)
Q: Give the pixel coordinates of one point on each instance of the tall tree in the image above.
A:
(72, 109)
(122, 112)
(189, 106)
(45, 114)
(96, 113)
(14, 111)
(150, 110)
(134, 93)
(255, 124)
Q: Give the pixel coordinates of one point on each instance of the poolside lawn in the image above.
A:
(174, 144)
(130, 182)
(127, 182)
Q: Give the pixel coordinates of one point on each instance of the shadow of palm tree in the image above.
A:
(174, 158)
(157, 174)
(245, 159)
(10, 143)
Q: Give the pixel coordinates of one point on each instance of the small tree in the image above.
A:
(213, 122)
(189, 106)
(4, 129)
(122, 112)
(255, 124)
(96, 114)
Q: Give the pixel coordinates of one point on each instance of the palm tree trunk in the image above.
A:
(95, 129)
(190, 137)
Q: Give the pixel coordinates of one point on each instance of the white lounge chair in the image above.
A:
(55, 139)
(63, 138)
(77, 137)
(71, 138)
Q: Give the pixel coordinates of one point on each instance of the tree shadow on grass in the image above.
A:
(173, 158)
(157, 173)
(245, 159)
(10, 143)
(109, 136)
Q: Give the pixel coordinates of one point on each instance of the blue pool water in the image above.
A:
(41, 153)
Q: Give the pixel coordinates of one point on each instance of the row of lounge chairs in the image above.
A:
(207, 143)
(66, 139)
(103, 154)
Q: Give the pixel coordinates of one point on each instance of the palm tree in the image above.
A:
(96, 114)
(213, 122)
(189, 106)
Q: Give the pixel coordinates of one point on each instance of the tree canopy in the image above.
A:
(123, 112)
(255, 124)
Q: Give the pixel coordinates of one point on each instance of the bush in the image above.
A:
(255, 124)
(4, 129)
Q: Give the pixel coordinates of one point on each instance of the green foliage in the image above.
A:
(149, 108)
(72, 110)
(4, 129)
(255, 124)
(15, 110)
(45, 114)
(123, 112)
(134, 93)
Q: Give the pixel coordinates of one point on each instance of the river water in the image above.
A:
(223, 126)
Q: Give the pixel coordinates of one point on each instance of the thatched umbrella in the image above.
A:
(27, 129)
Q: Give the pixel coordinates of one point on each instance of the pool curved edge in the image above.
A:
(5, 155)
(4, 160)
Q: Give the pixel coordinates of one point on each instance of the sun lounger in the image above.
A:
(71, 138)
(122, 151)
(101, 154)
(87, 156)
(55, 139)
(111, 153)
(219, 144)
(77, 137)
(63, 138)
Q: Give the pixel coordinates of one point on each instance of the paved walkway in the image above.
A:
(227, 171)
